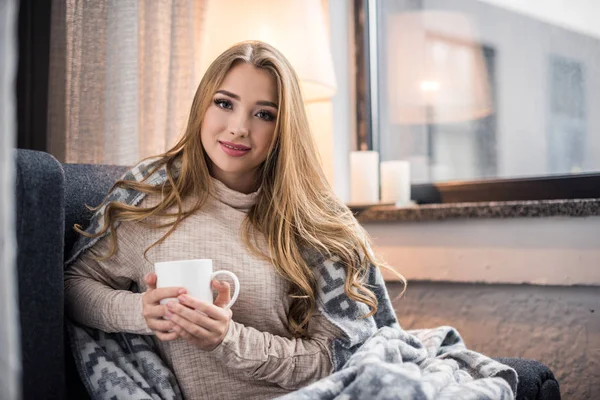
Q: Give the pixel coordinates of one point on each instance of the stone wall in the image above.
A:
(559, 326)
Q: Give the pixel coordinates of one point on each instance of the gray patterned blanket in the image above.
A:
(375, 359)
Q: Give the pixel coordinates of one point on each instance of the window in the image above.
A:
(567, 133)
(481, 90)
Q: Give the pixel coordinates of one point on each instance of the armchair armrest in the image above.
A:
(40, 230)
(536, 380)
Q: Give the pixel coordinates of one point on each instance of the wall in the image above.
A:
(511, 287)
(559, 326)
(546, 251)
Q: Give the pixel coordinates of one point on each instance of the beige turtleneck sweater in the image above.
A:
(258, 359)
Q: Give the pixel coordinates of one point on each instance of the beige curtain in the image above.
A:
(122, 77)
(10, 354)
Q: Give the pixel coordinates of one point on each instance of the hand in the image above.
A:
(154, 312)
(202, 324)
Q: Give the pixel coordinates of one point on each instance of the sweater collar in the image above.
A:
(232, 198)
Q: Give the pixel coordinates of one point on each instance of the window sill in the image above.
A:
(479, 210)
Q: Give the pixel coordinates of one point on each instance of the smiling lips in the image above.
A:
(234, 150)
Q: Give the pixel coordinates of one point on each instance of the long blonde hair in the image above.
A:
(296, 208)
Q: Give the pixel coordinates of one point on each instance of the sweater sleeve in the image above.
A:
(289, 363)
(98, 293)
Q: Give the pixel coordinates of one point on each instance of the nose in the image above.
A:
(239, 126)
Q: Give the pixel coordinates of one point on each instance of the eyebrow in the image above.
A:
(238, 98)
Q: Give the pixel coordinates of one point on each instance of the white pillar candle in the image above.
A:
(364, 175)
(395, 182)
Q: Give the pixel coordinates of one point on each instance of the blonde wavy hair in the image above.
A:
(296, 208)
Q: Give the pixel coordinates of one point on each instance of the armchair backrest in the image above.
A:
(85, 184)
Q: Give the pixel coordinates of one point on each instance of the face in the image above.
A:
(239, 125)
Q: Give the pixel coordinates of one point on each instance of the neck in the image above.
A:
(246, 183)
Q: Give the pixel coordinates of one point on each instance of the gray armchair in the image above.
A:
(51, 198)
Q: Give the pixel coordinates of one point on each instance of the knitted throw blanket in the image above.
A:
(374, 359)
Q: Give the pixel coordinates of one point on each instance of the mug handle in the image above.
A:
(235, 280)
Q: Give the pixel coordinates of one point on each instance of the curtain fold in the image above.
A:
(123, 75)
(10, 357)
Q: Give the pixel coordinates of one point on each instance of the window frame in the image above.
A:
(534, 188)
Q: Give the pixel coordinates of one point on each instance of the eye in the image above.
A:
(265, 115)
(224, 104)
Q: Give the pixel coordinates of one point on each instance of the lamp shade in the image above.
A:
(294, 27)
(436, 69)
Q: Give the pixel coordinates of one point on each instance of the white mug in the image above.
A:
(193, 275)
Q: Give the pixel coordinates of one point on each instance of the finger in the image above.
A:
(160, 325)
(150, 280)
(157, 311)
(182, 333)
(166, 337)
(189, 327)
(224, 297)
(177, 312)
(159, 294)
(211, 310)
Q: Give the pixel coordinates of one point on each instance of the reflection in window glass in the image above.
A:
(567, 123)
(469, 90)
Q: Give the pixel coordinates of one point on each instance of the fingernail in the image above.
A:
(181, 291)
(182, 298)
(170, 305)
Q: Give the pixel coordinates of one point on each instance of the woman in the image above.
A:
(244, 188)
